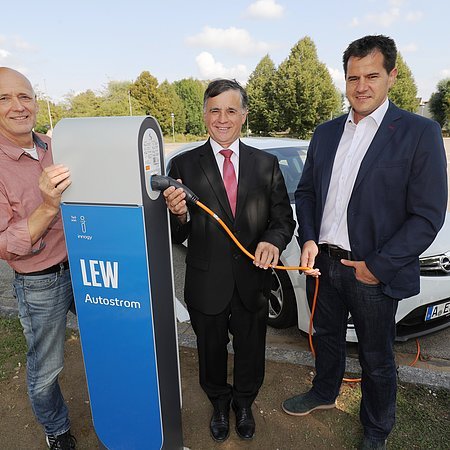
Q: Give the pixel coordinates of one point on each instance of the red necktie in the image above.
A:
(229, 179)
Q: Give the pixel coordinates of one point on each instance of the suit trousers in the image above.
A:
(248, 330)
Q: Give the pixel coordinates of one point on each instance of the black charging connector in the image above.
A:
(162, 182)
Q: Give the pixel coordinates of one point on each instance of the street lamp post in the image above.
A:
(129, 102)
(422, 108)
(172, 115)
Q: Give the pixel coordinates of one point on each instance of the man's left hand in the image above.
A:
(266, 255)
(362, 273)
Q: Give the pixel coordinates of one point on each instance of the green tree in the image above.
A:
(117, 100)
(86, 104)
(259, 87)
(304, 92)
(170, 103)
(145, 91)
(191, 93)
(46, 111)
(404, 91)
(439, 104)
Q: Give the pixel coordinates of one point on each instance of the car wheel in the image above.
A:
(282, 304)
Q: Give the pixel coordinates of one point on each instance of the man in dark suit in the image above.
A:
(224, 291)
(372, 197)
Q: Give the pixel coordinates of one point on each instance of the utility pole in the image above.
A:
(48, 107)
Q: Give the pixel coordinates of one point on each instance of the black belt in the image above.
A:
(334, 251)
(53, 269)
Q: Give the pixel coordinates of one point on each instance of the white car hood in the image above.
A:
(442, 242)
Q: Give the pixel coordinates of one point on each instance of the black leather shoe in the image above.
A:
(245, 423)
(220, 425)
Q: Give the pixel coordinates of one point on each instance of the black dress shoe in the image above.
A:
(245, 423)
(220, 425)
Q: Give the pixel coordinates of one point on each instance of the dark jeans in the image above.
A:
(374, 317)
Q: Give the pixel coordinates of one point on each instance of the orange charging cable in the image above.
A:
(316, 290)
(235, 240)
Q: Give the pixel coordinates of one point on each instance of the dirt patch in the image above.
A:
(274, 429)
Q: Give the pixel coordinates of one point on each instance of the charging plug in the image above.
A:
(162, 182)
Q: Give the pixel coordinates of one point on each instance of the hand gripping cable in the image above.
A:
(162, 182)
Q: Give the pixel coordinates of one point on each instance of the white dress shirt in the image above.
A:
(352, 148)
(220, 158)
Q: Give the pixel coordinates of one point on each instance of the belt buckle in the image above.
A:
(333, 251)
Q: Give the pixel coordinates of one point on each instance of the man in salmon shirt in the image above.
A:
(32, 243)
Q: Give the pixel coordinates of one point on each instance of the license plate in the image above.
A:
(436, 311)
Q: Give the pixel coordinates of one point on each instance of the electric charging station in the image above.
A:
(120, 254)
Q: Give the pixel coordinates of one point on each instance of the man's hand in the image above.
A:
(175, 201)
(266, 255)
(54, 180)
(362, 273)
(308, 258)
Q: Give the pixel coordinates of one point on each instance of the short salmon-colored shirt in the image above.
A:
(19, 197)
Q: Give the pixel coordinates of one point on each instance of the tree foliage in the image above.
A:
(170, 103)
(439, 104)
(46, 111)
(145, 91)
(262, 113)
(117, 100)
(404, 91)
(304, 92)
(294, 97)
(85, 104)
(191, 93)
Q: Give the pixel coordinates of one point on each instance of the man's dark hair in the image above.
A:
(221, 85)
(368, 44)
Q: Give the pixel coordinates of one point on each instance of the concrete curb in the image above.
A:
(406, 374)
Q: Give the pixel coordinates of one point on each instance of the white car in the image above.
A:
(424, 313)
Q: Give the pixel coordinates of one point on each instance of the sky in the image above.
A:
(67, 47)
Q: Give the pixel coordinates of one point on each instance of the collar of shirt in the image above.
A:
(377, 115)
(217, 147)
(220, 158)
(15, 152)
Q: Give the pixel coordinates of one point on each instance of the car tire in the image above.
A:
(282, 303)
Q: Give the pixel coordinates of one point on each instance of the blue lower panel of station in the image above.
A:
(110, 275)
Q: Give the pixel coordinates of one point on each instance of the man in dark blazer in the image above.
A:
(372, 197)
(224, 291)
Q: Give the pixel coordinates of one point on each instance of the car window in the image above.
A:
(291, 160)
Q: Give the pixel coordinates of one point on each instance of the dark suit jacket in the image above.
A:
(399, 199)
(263, 213)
